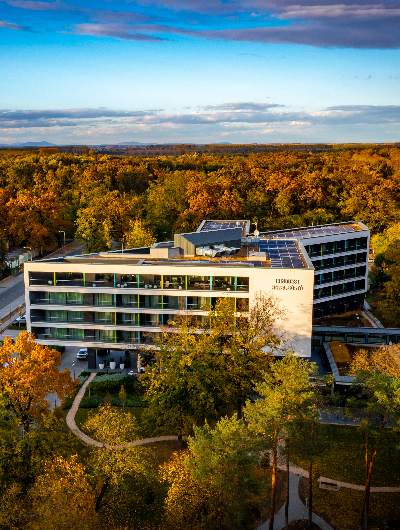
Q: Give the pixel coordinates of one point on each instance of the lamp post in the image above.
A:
(62, 231)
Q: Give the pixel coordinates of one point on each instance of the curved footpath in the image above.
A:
(294, 470)
(72, 425)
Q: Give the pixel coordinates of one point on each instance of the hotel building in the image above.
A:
(120, 300)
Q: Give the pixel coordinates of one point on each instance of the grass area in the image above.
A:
(341, 509)
(344, 458)
(19, 328)
(82, 415)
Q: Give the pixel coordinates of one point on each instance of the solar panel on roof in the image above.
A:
(282, 253)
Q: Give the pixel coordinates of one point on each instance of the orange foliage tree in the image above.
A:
(28, 373)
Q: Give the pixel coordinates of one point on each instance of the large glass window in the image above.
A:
(150, 301)
(104, 318)
(103, 299)
(69, 278)
(55, 298)
(41, 278)
(55, 316)
(103, 280)
(129, 280)
(242, 283)
(104, 335)
(127, 319)
(150, 319)
(197, 302)
(340, 246)
(174, 302)
(150, 281)
(174, 282)
(127, 336)
(129, 300)
(199, 283)
(223, 283)
(75, 316)
(242, 304)
(74, 298)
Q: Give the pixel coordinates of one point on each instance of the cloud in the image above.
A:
(4, 24)
(318, 23)
(368, 33)
(238, 106)
(117, 31)
(339, 11)
(37, 6)
(237, 115)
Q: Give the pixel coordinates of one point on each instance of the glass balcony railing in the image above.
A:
(139, 281)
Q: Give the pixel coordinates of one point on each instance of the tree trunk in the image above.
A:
(239, 409)
(180, 442)
(101, 494)
(273, 482)
(310, 470)
(287, 487)
(364, 510)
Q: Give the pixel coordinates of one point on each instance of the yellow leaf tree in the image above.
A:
(28, 373)
(62, 498)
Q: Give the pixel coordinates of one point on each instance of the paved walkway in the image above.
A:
(297, 510)
(72, 425)
(294, 470)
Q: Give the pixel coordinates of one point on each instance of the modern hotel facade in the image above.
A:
(121, 300)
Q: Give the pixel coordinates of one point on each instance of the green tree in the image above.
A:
(377, 379)
(286, 400)
(221, 460)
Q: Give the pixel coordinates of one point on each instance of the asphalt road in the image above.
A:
(9, 294)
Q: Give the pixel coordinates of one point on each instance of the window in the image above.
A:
(242, 284)
(104, 318)
(128, 319)
(174, 282)
(103, 280)
(129, 280)
(55, 298)
(55, 316)
(223, 283)
(75, 316)
(69, 278)
(75, 298)
(150, 281)
(242, 304)
(150, 301)
(174, 302)
(130, 300)
(103, 299)
(199, 283)
(104, 335)
(197, 302)
(340, 246)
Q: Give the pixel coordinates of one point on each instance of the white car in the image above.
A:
(82, 354)
(21, 320)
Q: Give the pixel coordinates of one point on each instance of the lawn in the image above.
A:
(82, 415)
(341, 509)
(343, 459)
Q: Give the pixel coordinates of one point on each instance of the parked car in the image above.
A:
(21, 320)
(82, 354)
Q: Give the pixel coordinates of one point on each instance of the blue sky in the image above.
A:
(238, 71)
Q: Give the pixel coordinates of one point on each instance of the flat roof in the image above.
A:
(208, 225)
(280, 254)
(309, 232)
